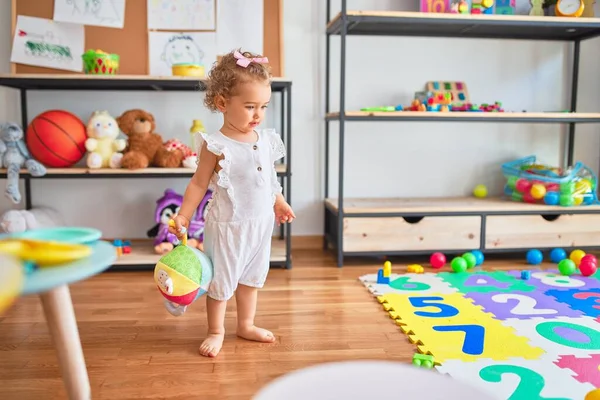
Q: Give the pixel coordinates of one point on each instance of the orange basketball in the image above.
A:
(56, 138)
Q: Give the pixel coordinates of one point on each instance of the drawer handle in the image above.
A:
(412, 220)
(550, 217)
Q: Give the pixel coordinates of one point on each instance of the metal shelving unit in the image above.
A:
(416, 24)
(145, 257)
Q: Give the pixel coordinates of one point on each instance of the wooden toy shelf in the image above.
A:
(380, 227)
(143, 256)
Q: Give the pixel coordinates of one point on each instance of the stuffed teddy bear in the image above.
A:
(17, 221)
(14, 155)
(145, 147)
(189, 156)
(102, 144)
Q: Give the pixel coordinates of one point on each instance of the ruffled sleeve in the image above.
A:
(219, 149)
(277, 151)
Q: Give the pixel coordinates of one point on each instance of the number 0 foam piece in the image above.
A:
(449, 326)
(518, 379)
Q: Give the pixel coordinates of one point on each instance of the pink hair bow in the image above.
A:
(244, 61)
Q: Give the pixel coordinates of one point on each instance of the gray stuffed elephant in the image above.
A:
(14, 156)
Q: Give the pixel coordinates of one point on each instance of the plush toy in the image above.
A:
(17, 221)
(102, 143)
(14, 155)
(189, 156)
(145, 147)
(182, 276)
(166, 208)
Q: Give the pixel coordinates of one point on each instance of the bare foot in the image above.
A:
(256, 334)
(212, 345)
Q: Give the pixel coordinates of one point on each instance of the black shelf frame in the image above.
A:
(415, 24)
(25, 83)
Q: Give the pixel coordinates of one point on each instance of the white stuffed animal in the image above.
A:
(17, 221)
(102, 144)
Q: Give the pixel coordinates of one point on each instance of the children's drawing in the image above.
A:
(109, 13)
(169, 48)
(45, 43)
(195, 15)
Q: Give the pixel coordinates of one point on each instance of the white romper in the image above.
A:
(240, 216)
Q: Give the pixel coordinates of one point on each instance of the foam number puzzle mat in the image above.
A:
(518, 339)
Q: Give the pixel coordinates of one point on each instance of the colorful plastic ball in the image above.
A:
(480, 191)
(523, 185)
(528, 198)
(593, 395)
(557, 255)
(511, 182)
(470, 259)
(566, 199)
(552, 187)
(478, 257)
(587, 268)
(567, 267)
(437, 260)
(576, 256)
(538, 191)
(589, 258)
(534, 257)
(567, 188)
(551, 198)
(459, 264)
(508, 190)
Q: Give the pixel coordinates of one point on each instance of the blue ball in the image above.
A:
(478, 257)
(557, 255)
(551, 198)
(535, 257)
(508, 190)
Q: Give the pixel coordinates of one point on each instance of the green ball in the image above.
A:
(470, 259)
(459, 264)
(567, 267)
(512, 182)
(566, 200)
(567, 188)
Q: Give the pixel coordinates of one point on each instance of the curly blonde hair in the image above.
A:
(225, 75)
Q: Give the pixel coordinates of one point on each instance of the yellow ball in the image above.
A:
(576, 256)
(538, 191)
(583, 186)
(577, 200)
(480, 191)
(593, 395)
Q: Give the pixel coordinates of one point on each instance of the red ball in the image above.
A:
(587, 268)
(523, 185)
(437, 260)
(56, 138)
(590, 258)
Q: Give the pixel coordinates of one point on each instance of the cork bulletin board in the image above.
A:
(131, 42)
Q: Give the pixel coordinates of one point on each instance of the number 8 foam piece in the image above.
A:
(518, 379)
(544, 280)
(579, 337)
(523, 305)
(449, 326)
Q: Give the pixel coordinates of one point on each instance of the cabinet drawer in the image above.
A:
(412, 234)
(531, 231)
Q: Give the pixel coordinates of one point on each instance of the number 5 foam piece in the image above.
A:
(579, 337)
(448, 326)
(407, 283)
(523, 305)
(518, 379)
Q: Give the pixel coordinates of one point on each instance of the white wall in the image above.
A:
(382, 159)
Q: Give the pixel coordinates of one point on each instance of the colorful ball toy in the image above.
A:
(183, 274)
(437, 260)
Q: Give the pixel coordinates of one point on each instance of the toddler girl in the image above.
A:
(238, 163)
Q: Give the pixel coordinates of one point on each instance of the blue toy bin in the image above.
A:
(529, 181)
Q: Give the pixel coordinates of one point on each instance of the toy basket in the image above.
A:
(97, 62)
(532, 182)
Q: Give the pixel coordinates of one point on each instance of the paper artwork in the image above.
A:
(168, 48)
(240, 25)
(109, 13)
(45, 43)
(181, 15)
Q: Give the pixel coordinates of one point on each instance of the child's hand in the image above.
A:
(180, 222)
(283, 212)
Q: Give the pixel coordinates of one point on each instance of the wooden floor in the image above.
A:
(135, 350)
